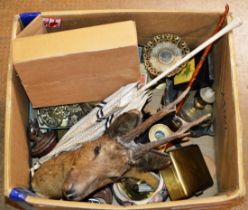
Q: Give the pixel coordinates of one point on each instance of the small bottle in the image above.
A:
(198, 104)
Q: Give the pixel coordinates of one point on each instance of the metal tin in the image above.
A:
(162, 52)
(188, 174)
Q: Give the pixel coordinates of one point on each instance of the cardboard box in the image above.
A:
(194, 28)
(80, 65)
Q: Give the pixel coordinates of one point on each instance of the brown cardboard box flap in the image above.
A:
(86, 64)
(36, 27)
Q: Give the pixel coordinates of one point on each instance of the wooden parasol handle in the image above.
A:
(204, 55)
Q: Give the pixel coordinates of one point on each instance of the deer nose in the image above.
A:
(70, 193)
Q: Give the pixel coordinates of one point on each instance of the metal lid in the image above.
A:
(207, 94)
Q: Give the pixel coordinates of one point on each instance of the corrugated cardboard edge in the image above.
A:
(201, 202)
(36, 27)
(239, 129)
(128, 38)
(78, 12)
(8, 105)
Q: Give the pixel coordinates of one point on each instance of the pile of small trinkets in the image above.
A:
(48, 125)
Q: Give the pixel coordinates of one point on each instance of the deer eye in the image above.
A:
(97, 150)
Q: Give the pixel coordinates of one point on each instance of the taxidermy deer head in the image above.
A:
(76, 174)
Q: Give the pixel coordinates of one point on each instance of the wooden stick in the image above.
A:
(204, 55)
(233, 24)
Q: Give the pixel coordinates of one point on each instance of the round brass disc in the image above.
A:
(162, 52)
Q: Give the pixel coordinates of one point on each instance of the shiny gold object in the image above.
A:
(188, 174)
(196, 106)
(162, 52)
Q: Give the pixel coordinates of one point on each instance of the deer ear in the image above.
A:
(124, 123)
(153, 160)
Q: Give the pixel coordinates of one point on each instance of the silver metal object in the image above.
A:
(97, 200)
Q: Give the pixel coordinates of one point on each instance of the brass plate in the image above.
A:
(162, 52)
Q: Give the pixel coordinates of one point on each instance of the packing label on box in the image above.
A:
(50, 22)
